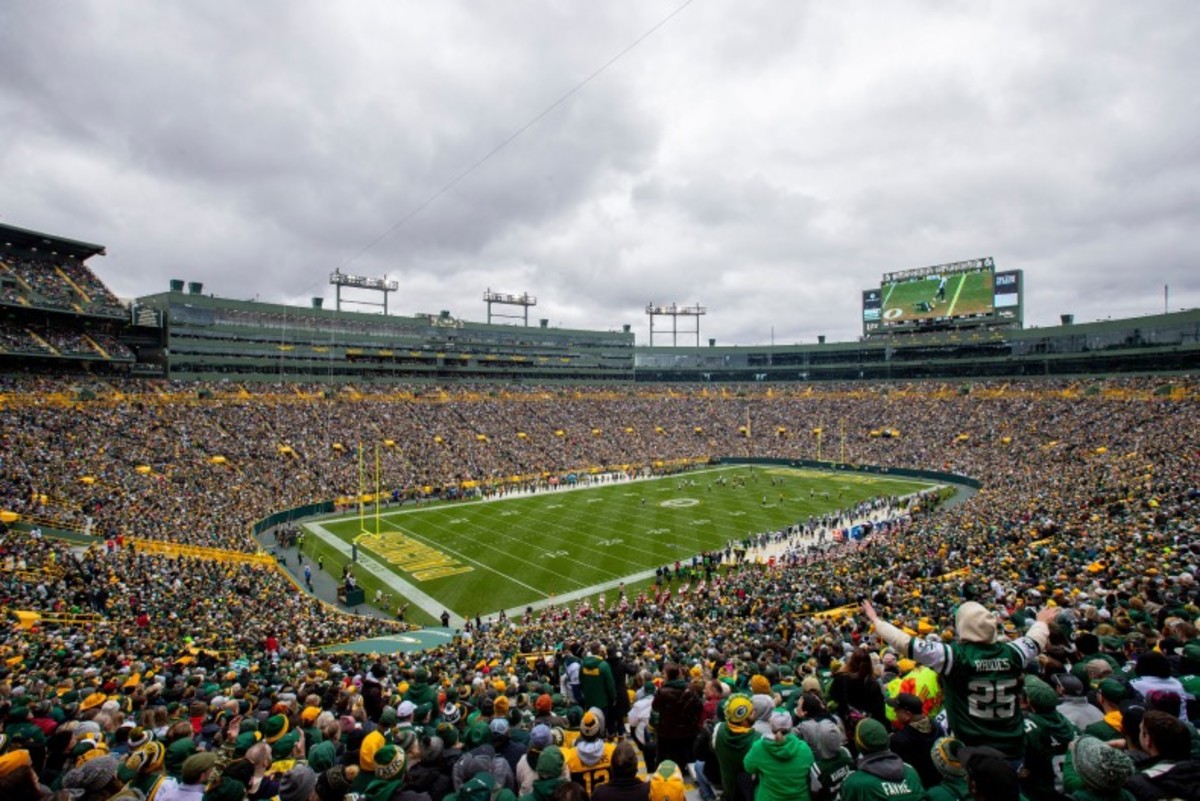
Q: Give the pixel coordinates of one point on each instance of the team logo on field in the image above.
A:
(680, 503)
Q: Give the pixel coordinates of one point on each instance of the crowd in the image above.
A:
(44, 278)
(1038, 639)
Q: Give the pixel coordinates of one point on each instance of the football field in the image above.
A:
(481, 556)
(966, 294)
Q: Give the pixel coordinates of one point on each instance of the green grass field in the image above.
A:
(966, 294)
(478, 557)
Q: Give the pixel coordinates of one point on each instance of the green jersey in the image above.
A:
(982, 681)
(826, 776)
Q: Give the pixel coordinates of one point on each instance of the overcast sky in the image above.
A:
(768, 160)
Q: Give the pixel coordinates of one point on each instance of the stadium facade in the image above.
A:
(56, 314)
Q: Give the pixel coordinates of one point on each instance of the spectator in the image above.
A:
(781, 763)
(981, 674)
(879, 773)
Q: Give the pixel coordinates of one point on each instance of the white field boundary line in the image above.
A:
(433, 608)
(532, 529)
(385, 574)
(524, 495)
(463, 557)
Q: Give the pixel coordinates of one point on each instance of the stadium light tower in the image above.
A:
(675, 312)
(340, 279)
(524, 299)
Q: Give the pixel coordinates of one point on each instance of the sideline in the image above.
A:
(434, 608)
(373, 566)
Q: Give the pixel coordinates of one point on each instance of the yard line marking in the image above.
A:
(477, 563)
(388, 576)
(962, 279)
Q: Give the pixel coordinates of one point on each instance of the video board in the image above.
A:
(940, 293)
(954, 295)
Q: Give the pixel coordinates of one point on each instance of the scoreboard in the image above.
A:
(964, 294)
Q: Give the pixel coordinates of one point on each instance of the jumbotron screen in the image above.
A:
(944, 292)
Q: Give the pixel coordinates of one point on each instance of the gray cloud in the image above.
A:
(767, 161)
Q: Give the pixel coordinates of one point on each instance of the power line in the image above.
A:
(514, 136)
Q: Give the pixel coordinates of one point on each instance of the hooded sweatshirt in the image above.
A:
(882, 775)
(1047, 735)
(834, 762)
(731, 748)
(782, 767)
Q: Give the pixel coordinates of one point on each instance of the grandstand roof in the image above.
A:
(24, 238)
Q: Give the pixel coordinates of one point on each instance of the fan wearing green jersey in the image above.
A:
(981, 675)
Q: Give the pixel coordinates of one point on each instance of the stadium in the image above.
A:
(222, 508)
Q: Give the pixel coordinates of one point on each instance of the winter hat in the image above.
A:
(781, 722)
(540, 737)
(550, 762)
(827, 740)
(406, 709)
(760, 685)
(448, 733)
(1112, 690)
(592, 724)
(285, 745)
(947, 757)
(146, 759)
(810, 684)
(322, 756)
(739, 713)
(335, 782)
(228, 790)
(404, 739)
(297, 784)
(93, 776)
(139, 737)
(366, 752)
(195, 765)
(1040, 694)
(500, 706)
(975, 623)
(871, 736)
(499, 727)
(178, 753)
(274, 728)
(1099, 766)
(390, 762)
(243, 742)
(544, 704)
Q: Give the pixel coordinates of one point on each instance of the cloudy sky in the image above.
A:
(768, 160)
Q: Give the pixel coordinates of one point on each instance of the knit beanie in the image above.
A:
(828, 739)
(1040, 694)
(871, 736)
(227, 790)
(760, 685)
(592, 724)
(947, 759)
(297, 784)
(390, 762)
(372, 743)
(550, 762)
(1101, 767)
(274, 728)
(739, 713)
